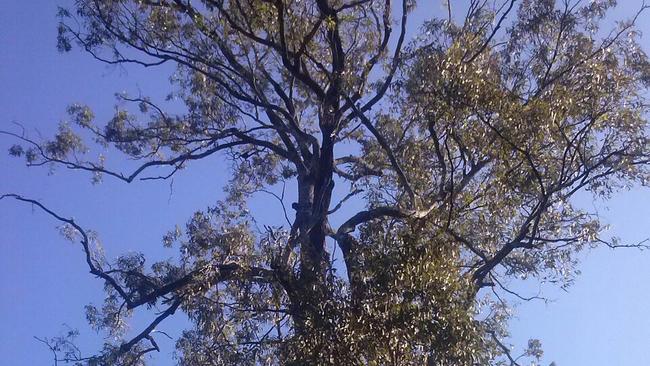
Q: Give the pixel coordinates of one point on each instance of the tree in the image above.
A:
(464, 146)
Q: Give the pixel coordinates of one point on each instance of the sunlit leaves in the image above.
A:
(483, 137)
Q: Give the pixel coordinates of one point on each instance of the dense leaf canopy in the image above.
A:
(462, 147)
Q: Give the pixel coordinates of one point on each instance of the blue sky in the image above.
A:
(601, 320)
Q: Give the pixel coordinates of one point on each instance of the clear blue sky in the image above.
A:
(602, 320)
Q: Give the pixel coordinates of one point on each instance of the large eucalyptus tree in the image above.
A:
(463, 146)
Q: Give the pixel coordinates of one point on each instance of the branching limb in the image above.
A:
(505, 349)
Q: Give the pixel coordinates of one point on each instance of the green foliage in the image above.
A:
(483, 131)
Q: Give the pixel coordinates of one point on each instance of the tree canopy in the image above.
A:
(458, 151)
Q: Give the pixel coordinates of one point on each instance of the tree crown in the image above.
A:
(463, 146)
